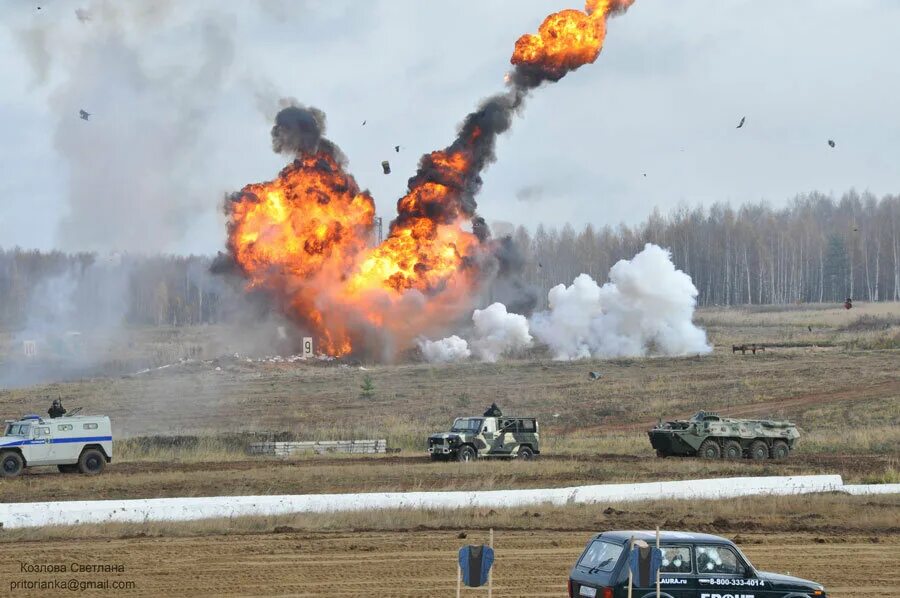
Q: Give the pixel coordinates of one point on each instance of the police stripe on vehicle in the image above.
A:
(59, 441)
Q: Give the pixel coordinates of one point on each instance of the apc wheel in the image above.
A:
(67, 468)
(780, 450)
(759, 450)
(733, 450)
(466, 454)
(525, 453)
(710, 449)
(11, 464)
(91, 462)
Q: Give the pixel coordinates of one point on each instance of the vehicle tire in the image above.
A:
(780, 450)
(11, 464)
(710, 449)
(466, 454)
(733, 450)
(525, 453)
(67, 468)
(91, 462)
(759, 450)
(661, 453)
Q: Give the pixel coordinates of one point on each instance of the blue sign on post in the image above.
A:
(644, 563)
(475, 563)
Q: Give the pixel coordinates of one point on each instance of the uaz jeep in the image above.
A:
(78, 443)
(471, 438)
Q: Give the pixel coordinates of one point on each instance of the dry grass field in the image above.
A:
(182, 430)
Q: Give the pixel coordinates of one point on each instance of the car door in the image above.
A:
(489, 434)
(676, 578)
(505, 439)
(676, 572)
(41, 445)
(722, 572)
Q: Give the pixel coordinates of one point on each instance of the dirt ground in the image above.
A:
(528, 563)
(824, 369)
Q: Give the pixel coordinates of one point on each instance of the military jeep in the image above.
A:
(473, 438)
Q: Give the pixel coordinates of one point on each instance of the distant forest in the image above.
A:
(815, 249)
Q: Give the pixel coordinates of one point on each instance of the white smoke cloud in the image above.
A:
(646, 308)
(498, 333)
(446, 350)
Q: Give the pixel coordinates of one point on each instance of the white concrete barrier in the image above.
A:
(871, 488)
(14, 515)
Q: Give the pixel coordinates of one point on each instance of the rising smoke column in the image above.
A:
(304, 242)
(646, 308)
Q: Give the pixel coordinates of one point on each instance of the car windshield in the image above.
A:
(19, 430)
(466, 424)
(601, 556)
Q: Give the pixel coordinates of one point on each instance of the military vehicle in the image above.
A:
(473, 438)
(77, 443)
(709, 436)
(692, 564)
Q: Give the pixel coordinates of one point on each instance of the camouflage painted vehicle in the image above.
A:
(709, 436)
(473, 438)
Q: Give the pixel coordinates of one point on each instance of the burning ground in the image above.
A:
(304, 238)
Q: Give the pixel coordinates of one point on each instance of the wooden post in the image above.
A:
(458, 580)
(491, 572)
(657, 571)
(630, 572)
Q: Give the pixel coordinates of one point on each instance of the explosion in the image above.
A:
(305, 237)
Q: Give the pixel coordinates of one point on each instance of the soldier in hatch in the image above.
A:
(56, 409)
(493, 411)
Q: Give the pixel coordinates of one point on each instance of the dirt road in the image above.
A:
(401, 564)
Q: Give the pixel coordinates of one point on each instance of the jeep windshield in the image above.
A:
(23, 430)
(466, 424)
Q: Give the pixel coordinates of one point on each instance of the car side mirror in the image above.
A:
(485, 429)
(746, 572)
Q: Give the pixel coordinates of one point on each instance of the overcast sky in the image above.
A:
(182, 98)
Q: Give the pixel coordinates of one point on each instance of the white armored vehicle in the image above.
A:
(77, 443)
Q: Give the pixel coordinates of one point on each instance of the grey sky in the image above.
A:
(663, 99)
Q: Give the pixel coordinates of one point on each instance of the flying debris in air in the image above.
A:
(364, 124)
(83, 14)
(397, 148)
(831, 142)
(743, 120)
(386, 166)
(84, 115)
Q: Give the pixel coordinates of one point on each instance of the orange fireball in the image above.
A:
(567, 39)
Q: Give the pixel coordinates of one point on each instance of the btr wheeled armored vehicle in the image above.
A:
(77, 443)
(692, 566)
(473, 438)
(709, 436)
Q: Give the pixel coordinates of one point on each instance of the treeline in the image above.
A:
(815, 249)
(57, 291)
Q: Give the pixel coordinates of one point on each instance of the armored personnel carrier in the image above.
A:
(709, 436)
